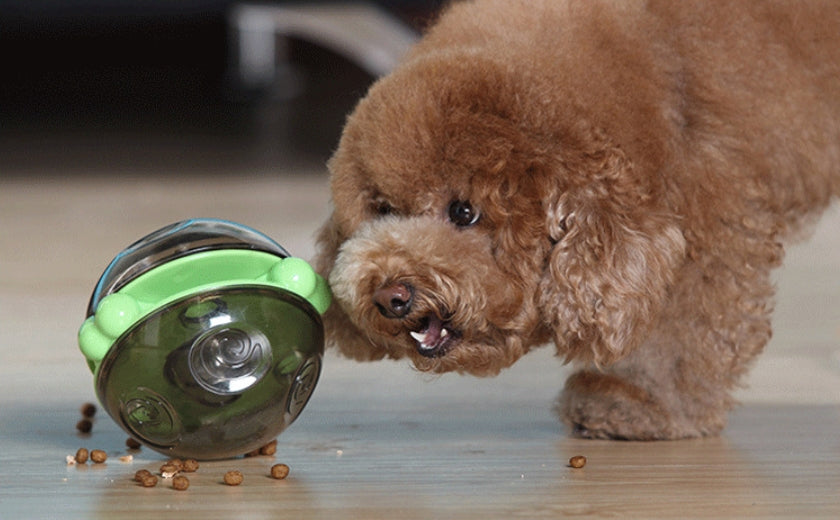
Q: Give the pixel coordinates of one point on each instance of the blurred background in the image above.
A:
(114, 85)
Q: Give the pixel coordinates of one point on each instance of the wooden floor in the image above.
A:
(380, 440)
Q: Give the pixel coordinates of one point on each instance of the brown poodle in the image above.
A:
(613, 176)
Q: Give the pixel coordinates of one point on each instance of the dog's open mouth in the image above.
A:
(435, 337)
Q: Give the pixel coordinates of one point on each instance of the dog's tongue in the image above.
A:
(430, 339)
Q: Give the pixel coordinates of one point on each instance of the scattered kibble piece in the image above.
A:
(149, 481)
(279, 471)
(71, 460)
(180, 483)
(190, 466)
(84, 426)
(141, 474)
(98, 456)
(233, 478)
(81, 455)
(168, 470)
(178, 463)
(127, 459)
(270, 448)
(578, 461)
(132, 443)
(88, 410)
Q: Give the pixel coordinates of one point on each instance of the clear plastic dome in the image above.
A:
(175, 241)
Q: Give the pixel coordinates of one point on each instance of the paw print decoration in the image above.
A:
(205, 338)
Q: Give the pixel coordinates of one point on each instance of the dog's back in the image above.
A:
(752, 84)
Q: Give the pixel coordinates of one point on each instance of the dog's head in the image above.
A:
(474, 219)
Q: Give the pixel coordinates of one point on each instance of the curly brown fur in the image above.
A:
(634, 166)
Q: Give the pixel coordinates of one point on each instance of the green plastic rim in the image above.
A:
(116, 313)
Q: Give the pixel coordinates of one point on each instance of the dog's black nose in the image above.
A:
(394, 300)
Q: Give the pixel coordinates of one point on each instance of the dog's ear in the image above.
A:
(327, 242)
(613, 259)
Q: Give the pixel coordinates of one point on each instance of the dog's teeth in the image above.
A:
(443, 333)
(419, 337)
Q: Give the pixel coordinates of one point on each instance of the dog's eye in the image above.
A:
(382, 207)
(462, 214)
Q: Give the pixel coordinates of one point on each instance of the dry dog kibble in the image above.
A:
(578, 461)
(149, 481)
(180, 483)
(279, 471)
(269, 449)
(84, 426)
(233, 478)
(190, 466)
(88, 410)
(132, 443)
(169, 470)
(141, 474)
(81, 455)
(98, 456)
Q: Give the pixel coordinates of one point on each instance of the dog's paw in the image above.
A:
(604, 406)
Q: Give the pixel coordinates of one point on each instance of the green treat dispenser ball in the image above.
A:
(205, 339)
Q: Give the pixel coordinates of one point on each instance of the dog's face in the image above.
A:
(464, 233)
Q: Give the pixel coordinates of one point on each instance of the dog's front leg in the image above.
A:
(677, 383)
(626, 402)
